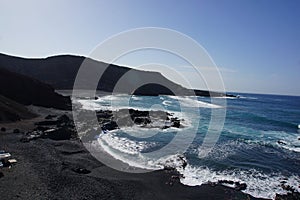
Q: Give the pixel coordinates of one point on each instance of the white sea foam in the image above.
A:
(167, 103)
(283, 139)
(102, 104)
(173, 161)
(134, 160)
(91, 105)
(193, 102)
(247, 97)
(258, 184)
(225, 97)
(123, 144)
(295, 149)
(130, 152)
(136, 98)
(278, 139)
(223, 150)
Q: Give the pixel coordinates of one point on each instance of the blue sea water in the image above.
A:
(259, 143)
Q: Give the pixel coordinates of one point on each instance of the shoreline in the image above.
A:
(64, 169)
(51, 169)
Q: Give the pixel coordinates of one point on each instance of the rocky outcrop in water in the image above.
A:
(110, 120)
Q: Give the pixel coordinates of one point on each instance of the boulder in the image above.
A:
(112, 125)
(81, 170)
(281, 142)
(104, 114)
(240, 186)
(46, 123)
(24, 139)
(226, 182)
(63, 119)
(50, 116)
(63, 133)
(175, 122)
(16, 131)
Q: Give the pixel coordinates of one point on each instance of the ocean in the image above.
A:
(259, 143)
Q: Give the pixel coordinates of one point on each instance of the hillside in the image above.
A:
(60, 72)
(13, 111)
(28, 91)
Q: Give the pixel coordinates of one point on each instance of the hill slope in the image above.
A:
(13, 111)
(27, 91)
(60, 72)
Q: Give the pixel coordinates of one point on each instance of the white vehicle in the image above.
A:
(4, 155)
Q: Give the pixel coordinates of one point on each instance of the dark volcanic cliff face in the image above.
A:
(60, 72)
(27, 91)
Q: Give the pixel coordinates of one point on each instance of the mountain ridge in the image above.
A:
(60, 72)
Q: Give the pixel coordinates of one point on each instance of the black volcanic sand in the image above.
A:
(13, 111)
(50, 169)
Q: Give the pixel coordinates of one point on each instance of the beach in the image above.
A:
(64, 169)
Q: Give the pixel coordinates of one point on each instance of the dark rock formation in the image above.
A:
(112, 125)
(281, 142)
(61, 129)
(63, 133)
(64, 119)
(61, 121)
(29, 91)
(46, 123)
(237, 185)
(288, 196)
(81, 170)
(226, 182)
(128, 117)
(50, 116)
(16, 131)
(240, 186)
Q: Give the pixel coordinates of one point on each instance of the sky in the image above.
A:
(254, 43)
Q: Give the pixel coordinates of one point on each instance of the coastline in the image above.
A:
(64, 169)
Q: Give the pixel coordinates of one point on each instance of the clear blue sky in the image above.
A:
(255, 42)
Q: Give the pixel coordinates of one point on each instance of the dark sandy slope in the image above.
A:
(46, 169)
(30, 91)
(13, 111)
